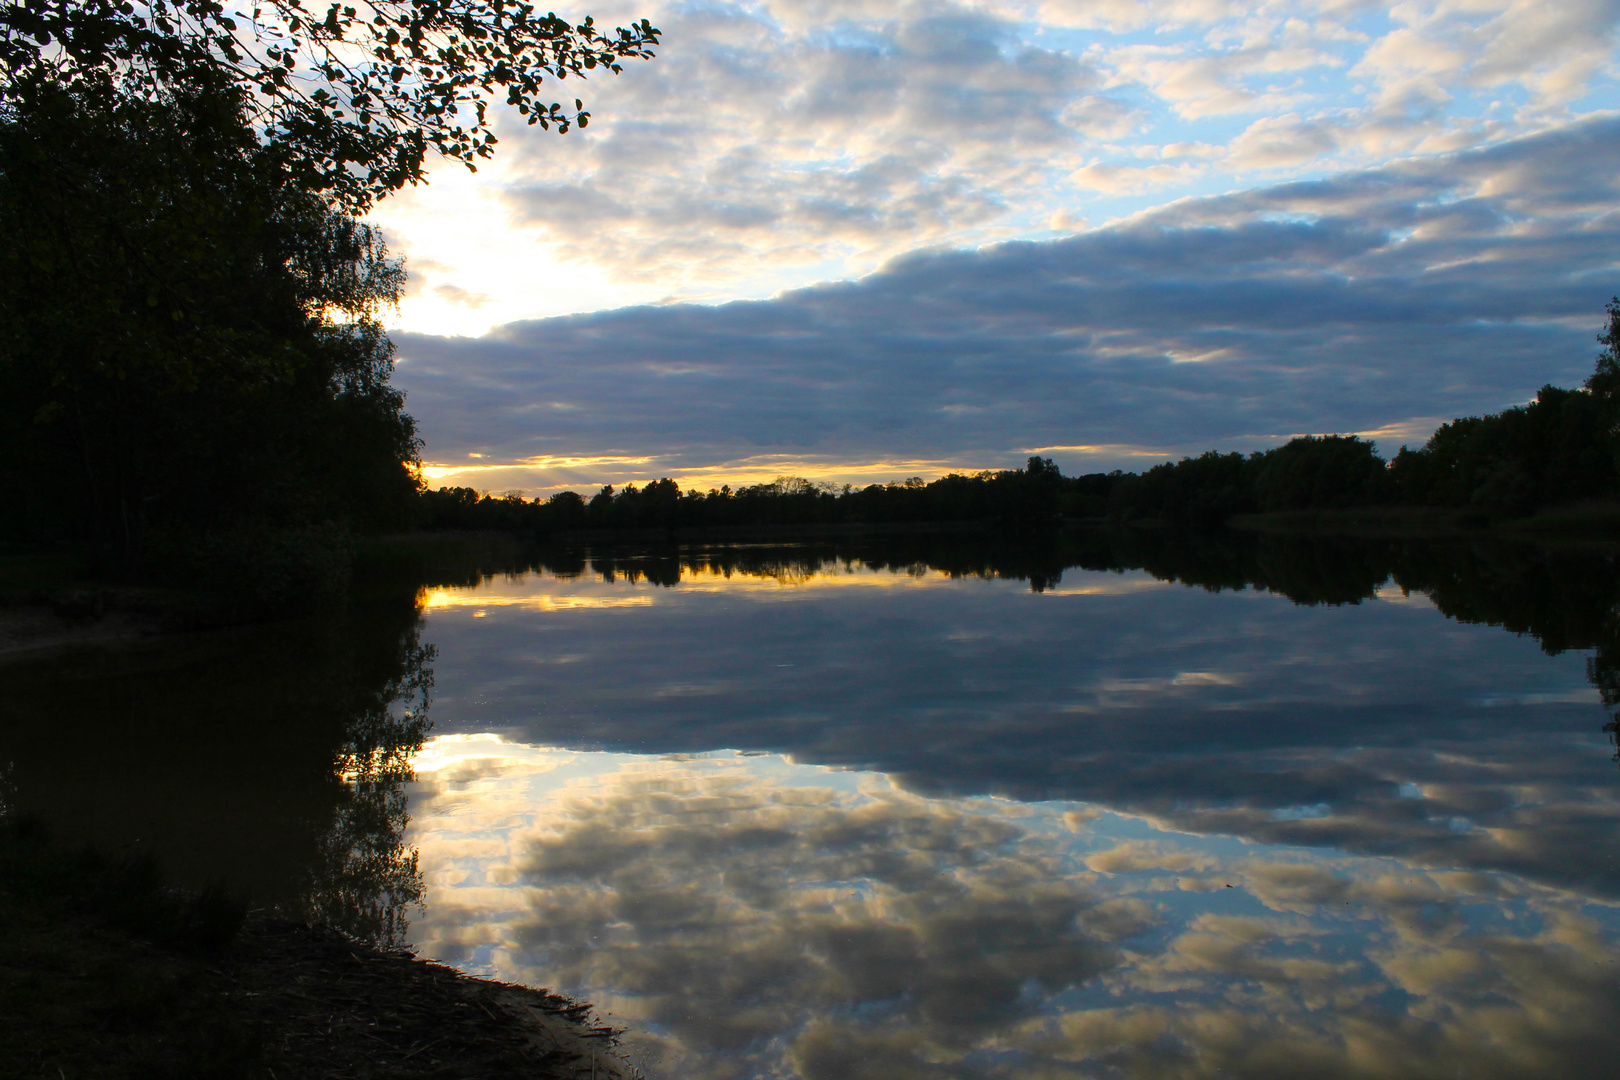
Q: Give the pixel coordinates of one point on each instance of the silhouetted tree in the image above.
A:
(350, 97)
(1320, 472)
(188, 333)
(188, 339)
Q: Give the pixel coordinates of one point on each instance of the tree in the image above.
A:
(188, 338)
(351, 97)
(1314, 472)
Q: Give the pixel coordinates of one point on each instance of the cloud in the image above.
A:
(900, 126)
(1436, 287)
(782, 142)
(919, 905)
(1128, 178)
(1207, 85)
(455, 294)
(1283, 140)
(1551, 52)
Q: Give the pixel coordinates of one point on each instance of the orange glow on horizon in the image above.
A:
(539, 476)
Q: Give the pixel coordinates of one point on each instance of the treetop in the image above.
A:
(354, 95)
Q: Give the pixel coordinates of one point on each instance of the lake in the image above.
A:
(936, 807)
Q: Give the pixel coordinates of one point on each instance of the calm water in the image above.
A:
(1236, 808)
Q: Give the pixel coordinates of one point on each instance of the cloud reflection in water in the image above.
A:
(1236, 713)
(753, 917)
(1112, 827)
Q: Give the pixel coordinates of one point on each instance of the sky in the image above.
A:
(860, 242)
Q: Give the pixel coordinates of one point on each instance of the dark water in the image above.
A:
(1143, 806)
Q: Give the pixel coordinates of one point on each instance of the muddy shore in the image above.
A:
(282, 1001)
(321, 1006)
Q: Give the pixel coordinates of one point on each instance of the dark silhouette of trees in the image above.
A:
(1022, 499)
(1320, 472)
(189, 339)
(196, 379)
(1563, 447)
(1560, 448)
(1203, 490)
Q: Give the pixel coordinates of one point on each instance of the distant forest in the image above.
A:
(1561, 449)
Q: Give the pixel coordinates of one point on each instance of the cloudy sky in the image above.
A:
(866, 241)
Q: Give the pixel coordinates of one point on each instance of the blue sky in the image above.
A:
(865, 241)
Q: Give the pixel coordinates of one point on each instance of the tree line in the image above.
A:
(1027, 497)
(1561, 448)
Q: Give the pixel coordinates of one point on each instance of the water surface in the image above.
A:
(1115, 806)
(835, 817)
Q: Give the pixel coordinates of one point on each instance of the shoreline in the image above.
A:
(58, 613)
(80, 997)
(1579, 523)
(330, 1006)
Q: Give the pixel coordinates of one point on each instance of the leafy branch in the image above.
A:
(353, 95)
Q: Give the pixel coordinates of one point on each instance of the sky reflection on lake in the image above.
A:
(879, 823)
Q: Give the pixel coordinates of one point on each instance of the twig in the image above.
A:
(423, 1047)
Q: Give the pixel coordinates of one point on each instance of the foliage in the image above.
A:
(1319, 472)
(188, 337)
(367, 876)
(349, 98)
(1201, 490)
(1560, 448)
(196, 374)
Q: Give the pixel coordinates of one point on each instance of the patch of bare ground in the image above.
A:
(320, 1006)
(106, 973)
(81, 998)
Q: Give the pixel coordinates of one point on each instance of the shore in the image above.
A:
(1595, 521)
(79, 997)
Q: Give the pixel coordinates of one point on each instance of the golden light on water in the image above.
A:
(440, 599)
(541, 590)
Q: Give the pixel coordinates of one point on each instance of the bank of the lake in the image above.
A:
(1584, 521)
(106, 974)
(110, 967)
